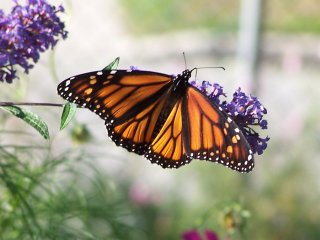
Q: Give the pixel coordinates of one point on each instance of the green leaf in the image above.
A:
(69, 110)
(31, 118)
(112, 65)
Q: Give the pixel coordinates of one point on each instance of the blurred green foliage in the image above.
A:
(292, 16)
(167, 15)
(46, 197)
(219, 16)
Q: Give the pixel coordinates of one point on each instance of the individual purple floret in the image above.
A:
(246, 111)
(134, 68)
(25, 32)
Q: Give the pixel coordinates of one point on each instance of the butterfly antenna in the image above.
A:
(195, 76)
(196, 68)
(185, 60)
(210, 67)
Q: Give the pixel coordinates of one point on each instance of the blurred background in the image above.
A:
(79, 185)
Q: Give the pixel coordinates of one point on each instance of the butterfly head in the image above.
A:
(186, 74)
(181, 81)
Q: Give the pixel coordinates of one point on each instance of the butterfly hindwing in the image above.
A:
(168, 148)
(214, 136)
(136, 133)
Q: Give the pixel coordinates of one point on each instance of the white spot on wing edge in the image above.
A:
(99, 73)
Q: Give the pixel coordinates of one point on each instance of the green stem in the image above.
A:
(30, 104)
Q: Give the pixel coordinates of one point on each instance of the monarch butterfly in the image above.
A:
(160, 116)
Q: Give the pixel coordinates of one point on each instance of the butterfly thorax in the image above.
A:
(181, 82)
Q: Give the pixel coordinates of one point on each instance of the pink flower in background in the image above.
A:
(141, 195)
(292, 59)
(195, 235)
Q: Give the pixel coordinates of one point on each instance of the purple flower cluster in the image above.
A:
(247, 111)
(25, 32)
(195, 235)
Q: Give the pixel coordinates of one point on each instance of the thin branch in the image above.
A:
(31, 104)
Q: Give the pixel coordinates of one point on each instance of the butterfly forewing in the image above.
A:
(213, 136)
(114, 94)
(130, 102)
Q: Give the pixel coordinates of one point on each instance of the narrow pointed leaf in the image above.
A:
(69, 110)
(30, 118)
(112, 65)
